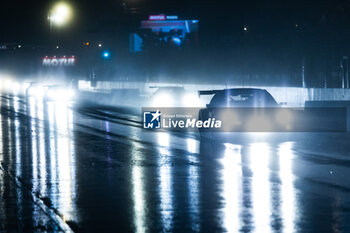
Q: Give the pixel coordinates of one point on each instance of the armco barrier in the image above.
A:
(293, 96)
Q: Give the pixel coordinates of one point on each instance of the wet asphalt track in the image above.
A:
(88, 168)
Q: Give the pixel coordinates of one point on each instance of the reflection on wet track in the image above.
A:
(97, 174)
(165, 182)
(232, 187)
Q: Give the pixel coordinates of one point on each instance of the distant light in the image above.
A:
(60, 14)
(57, 47)
(177, 41)
(106, 54)
(245, 29)
(19, 46)
(100, 45)
(172, 17)
(87, 43)
(157, 17)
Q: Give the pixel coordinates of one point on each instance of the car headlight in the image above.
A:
(190, 100)
(60, 95)
(71, 93)
(163, 100)
(37, 92)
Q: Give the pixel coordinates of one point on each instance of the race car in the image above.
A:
(49, 92)
(245, 110)
(58, 93)
(36, 90)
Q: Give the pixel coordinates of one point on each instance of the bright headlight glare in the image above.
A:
(60, 95)
(37, 92)
(163, 100)
(71, 93)
(25, 85)
(190, 100)
(15, 87)
(51, 94)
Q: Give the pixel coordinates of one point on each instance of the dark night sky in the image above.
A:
(323, 30)
(272, 44)
(25, 21)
